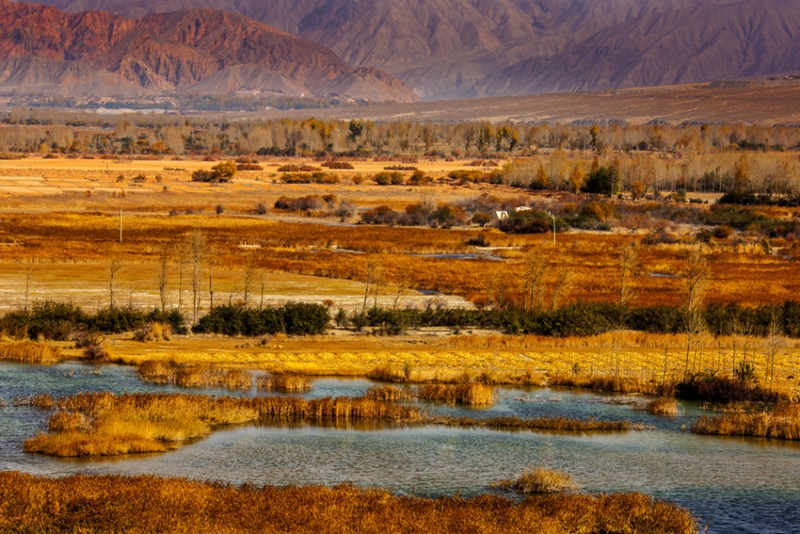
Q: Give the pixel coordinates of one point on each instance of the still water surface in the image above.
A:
(734, 485)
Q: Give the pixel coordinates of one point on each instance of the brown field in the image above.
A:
(758, 102)
(115, 503)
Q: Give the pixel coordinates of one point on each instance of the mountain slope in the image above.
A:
(173, 51)
(450, 48)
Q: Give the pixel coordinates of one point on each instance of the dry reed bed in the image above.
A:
(389, 394)
(660, 406)
(558, 424)
(781, 423)
(194, 376)
(102, 424)
(539, 480)
(29, 352)
(289, 382)
(473, 394)
(150, 504)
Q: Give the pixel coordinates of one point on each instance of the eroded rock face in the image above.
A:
(456, 48)
(168, 52)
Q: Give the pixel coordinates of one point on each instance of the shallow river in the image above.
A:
(733, 485)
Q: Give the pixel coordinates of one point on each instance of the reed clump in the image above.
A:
(113, 503)
(539, 480)
(660, 406)
(288, 382)
(386, 373)
(29, 352)
(389, 394)
(194, 376)
(561, 424)
(470, 394)
(783, 422)
(615, 384)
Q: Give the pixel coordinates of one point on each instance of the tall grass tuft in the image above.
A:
(389, 394)
(781, 423)
(542, 480)
(288, 382)
(112, 503)
(659, 406)
(616, 384)
(194, 376)
(471, 394)
(29, 352)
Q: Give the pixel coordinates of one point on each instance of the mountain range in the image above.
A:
(468, 48)
(45, 50)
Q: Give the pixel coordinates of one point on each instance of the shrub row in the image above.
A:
(59, 320)
(294, 318)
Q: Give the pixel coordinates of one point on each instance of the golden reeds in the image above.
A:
(659, 406)
(539, 480)
(616, 384)
(29, 352)
(199, 376)
(289, 382)
(112, 503)
(472, 394)
(781, 423)
(91, 424)
(389, 393)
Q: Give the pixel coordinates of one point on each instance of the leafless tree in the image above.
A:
(113, 268)
(534, 269)
(695, 275)
(197, 250)
(164, 253)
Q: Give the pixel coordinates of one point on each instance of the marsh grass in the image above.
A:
(112, 503)
(783, 422)
(195, 376)
(562, 424)
(539, 480)
(615, 384)
(29, 352)
(471, 394)
(389, 394)
(288, 382)
(92, 424)
(660, 406)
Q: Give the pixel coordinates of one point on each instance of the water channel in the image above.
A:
(732, 484)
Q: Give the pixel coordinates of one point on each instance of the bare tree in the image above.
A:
(211, 261)
(562, 283)
(113, 268)
(250, 274)
(402, 284)
(628, 262)
(695, 277)
(196, 245)
(373, 265)
(28, 276)
(534, 268)
(164, 253)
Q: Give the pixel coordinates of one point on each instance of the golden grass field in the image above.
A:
(60, 242)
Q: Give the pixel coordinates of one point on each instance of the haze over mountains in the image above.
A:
(458, 48)
(44, 50)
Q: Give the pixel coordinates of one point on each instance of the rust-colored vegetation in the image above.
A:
(115, 503)
(196, 376)
(102, 424)
(781, 423)
(472, 394)
(288, 382)
(660, 406)
(29, 352)
(539, 480)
